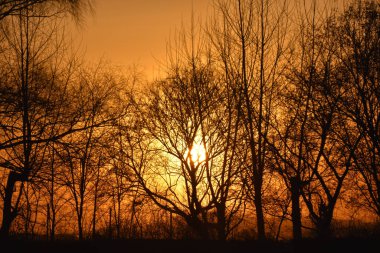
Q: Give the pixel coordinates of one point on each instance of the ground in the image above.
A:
(187, 246)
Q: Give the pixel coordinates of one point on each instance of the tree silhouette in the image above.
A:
(251, 55)
(14, 7)
(267, 117)
(37, 104)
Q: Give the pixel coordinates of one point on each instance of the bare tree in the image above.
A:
(316, 156)
(29, 92)
(192, 124)
(356, 32)
(254, 32)
(14, 7)
(98, 96)
(179, 182)
(52, 179)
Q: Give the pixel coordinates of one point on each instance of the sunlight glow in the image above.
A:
(197, 153)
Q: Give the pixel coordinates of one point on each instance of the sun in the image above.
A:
(197, 153)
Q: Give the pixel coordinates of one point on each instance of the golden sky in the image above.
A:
(128, 32)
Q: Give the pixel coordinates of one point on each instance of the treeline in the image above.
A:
(265, 125)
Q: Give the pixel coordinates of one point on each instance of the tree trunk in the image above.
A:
(259, 214)
(47, 221)
(200, 229)
(53, 224)
(324, 222)
(80, 228)
(222, 236)
(296, 210)
(110, 223)
(8, 214)
(94, 214)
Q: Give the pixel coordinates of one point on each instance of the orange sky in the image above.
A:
(130, 32)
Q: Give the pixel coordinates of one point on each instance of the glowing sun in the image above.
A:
(197, 153)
